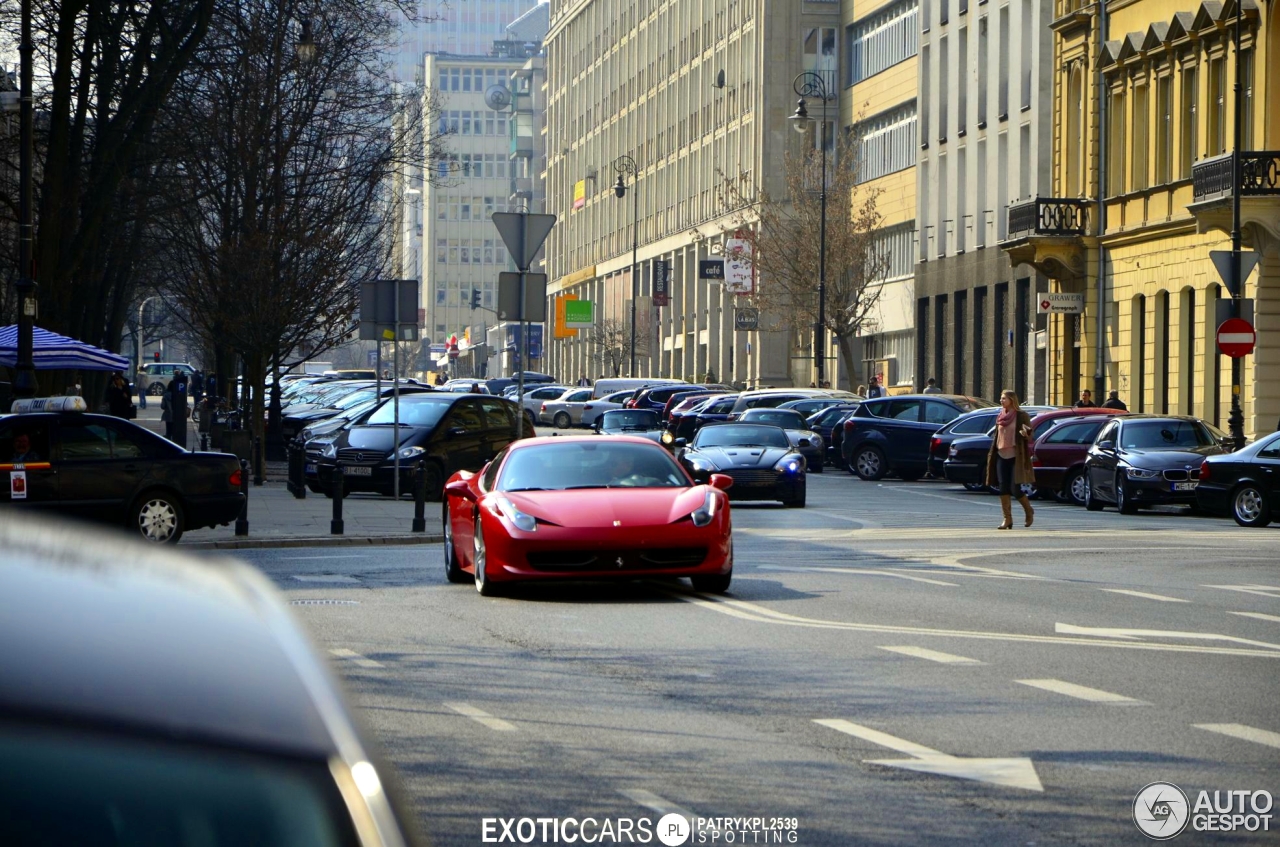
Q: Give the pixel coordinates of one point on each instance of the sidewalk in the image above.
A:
(278, 519)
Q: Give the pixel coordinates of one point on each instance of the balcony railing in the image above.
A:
(1048, 216)
(1259, 175)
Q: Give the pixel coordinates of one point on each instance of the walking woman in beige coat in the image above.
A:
(1009, 462)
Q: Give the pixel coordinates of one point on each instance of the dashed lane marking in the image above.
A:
(355, 658)
(1245, 733)
(862, 571)
(1080, 692)
(1144, 595)
(324, 578)
(481, 717)
(1257, 615)
(760, 614)
(933, 655)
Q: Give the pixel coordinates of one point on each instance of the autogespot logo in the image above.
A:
(1161, 811)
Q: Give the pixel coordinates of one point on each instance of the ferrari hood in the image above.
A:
(609, 507)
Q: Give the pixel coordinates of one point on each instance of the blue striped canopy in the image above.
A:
(57, 352)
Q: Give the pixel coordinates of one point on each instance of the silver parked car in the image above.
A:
(592, 410)
(566, 410)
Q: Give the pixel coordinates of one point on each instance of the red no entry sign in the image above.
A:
(1236, 337)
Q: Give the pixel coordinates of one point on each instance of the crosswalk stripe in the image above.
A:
(1080, 692)
(1257, 615)
(481, 717)
(355, 658)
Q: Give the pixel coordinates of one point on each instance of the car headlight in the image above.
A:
(503, 507)
(705, 513)
(700, 466)
(329, 451)
(815, 440)
(306, 435)
(789, 465)
(667, 437)
(411, 452)
(1140, 473)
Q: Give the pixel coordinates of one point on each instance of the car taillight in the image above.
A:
(235, 479)
(935, 444)
(544, 407)
(1035, 460)
(1204, 471)
(587, 407)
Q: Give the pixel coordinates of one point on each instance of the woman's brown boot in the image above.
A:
(1027, 510)
(1006, 506)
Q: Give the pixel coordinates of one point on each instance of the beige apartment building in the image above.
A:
(696, 92)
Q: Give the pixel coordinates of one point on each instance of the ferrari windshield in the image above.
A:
(741, 435)
(603, 463)
(629, 420)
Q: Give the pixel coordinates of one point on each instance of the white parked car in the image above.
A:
(566, 410)
(536, 396)
(595, 408)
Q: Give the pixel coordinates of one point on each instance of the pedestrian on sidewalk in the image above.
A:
(175, 406)
(142, 387)
(874, 390)
(1086, 400)
(1113, 401)
(1009, 460)
(118, 401)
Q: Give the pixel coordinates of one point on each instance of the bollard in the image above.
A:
(335, 525)
(242, 522)
(257, 461)
(419, 497)
(204, 442)
(297, 470)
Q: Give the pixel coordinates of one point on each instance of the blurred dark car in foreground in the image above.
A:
(148, 698)
(1139, 461)
(1244, 484)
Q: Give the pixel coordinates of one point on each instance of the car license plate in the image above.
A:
(311, 469)
(357, 470)
(1185, 486)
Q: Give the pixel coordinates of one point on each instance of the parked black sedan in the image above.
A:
(1139, 461)
(760, 458)
(450, 432)
(892, 434)
(1244, 484)
(105, 469)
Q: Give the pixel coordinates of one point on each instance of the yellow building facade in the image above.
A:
(1144, 120)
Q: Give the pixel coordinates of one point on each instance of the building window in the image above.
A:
(887, 142)
(1003, 104)
(1028, 50)
(962, 108)
(1140, 119)
(820, 54)
(944, 68)
(1190, 122)
(882, 40)
(1115, 145)
(1164, 130)
(982, 72)
(1246, 80)
(1217, 106)
(1075, 133)
(893, 247)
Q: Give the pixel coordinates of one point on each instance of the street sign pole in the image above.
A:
(395, 398)
(523, 233)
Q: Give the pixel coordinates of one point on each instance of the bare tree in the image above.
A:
(782, 233)
(610, 344)
(281, 166)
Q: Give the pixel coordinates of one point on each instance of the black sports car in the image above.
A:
(760, 458)
(1139, 461)
(1244, 484)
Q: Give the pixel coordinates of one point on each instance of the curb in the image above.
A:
(313, 541)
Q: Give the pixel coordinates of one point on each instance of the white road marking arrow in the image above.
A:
(1106, 632)
(1011, 773)
(1270, 591)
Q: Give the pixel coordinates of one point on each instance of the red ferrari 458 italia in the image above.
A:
(586, 507)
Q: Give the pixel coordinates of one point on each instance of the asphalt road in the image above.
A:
(887, 669)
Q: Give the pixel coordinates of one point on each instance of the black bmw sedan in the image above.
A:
(760, 458)
(1139, 461)
(1244, 484)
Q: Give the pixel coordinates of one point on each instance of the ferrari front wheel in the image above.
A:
(714, 584)
(483, 585)
(452, 570)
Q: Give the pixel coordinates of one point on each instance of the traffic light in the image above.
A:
(156, 354)
(475, 298)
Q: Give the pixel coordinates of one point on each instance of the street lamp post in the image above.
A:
(24, 379)
(624, 165)
(142, 334)
(810, 84)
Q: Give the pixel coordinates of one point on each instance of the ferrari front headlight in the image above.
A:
(503, 507)
(705, 513)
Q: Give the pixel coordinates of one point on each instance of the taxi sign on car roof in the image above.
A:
(49, 404)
